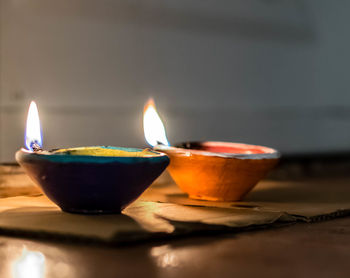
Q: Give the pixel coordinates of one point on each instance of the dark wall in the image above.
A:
(265, 72)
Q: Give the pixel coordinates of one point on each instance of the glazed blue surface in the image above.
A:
(92, 184)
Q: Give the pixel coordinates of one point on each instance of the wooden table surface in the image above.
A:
(302, 250)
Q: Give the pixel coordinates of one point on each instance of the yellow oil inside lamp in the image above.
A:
(105, 151)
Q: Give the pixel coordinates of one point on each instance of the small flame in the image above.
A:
(153, 126)
(30, 264)
(33, 130)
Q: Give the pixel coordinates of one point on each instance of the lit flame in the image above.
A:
(33, 130)
(153, 126)
(30, 264)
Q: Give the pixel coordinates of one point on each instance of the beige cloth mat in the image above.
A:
(163, 211)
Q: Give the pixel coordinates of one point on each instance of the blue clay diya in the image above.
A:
(93, 180)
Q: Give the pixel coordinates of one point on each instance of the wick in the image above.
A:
(35, 147)
(160, 143)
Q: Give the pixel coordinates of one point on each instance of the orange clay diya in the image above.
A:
(218, 171)
(214, 171)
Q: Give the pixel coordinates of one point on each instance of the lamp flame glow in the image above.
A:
(30, 264)
(153, 126)
(33, 138)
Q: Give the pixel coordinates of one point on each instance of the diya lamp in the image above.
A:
(214, 171)
(99, 179)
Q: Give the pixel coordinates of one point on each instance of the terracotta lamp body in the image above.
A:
(93, 179)
(218, 171)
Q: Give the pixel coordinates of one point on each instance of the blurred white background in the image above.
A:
(265, 72)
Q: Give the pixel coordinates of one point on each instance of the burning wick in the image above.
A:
(35, 147)
(33, 138)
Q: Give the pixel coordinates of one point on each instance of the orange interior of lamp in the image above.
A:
(226, 149)
(233, 148)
